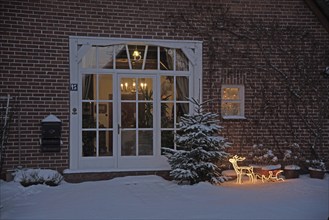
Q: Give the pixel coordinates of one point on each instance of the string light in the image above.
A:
(249, 171)
(244, 170)
(271, 176)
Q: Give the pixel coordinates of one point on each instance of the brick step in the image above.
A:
(78, 177)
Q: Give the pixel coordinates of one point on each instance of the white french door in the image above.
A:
(137, 123)
(119, 126)
(126, 98)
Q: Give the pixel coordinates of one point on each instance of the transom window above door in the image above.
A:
(135, 57)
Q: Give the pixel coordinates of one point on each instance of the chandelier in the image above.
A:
(127, 87)
(137, 55)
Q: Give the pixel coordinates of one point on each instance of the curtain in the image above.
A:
(105, 58)
(182, 83)
(105, 55)
(182, 87)
(87, 81)
(181, 61)
(170, 58)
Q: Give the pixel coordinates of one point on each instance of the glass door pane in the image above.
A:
(174, 104)
(97, 115)
(128, 143)
(136, 116)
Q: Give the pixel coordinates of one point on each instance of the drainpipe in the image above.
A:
(19, 140)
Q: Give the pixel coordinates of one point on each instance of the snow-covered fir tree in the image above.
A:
(199, 148)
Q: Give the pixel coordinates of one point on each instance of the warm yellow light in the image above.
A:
(249, 171)
(143, 85)
(244, 170)
(272, 176)
(137, 55)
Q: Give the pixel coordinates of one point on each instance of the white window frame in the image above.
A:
(241, 101)
(79, 45)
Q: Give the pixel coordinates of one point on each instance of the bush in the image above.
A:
(316, 164)
(262, 155)
(293, 155)
(28, 177)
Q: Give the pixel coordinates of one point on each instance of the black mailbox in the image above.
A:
(51, 128)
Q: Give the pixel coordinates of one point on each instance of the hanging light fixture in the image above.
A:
(130, 86)
(137, 55)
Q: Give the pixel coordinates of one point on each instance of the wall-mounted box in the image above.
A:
(51, 128)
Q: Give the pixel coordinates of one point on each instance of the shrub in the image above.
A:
(262, 155)
(293, 155)
(28, 177)
(316, 165)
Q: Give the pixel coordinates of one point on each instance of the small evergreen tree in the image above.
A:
(199, 148)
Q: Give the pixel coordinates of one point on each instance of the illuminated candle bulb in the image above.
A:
(145, 85)
(121, 86)
(134, 84)
(126, 85)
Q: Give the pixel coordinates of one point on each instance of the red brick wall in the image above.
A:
(35, 59)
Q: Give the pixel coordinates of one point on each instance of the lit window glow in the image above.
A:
(232, 101)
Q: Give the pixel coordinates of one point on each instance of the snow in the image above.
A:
(51, 118)
(315, 169)
(271, 167)
(45, 174)
(151, 197)
(292, 167)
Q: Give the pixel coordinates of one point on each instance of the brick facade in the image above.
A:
(35, 65)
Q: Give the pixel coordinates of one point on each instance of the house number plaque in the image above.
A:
(74, 87)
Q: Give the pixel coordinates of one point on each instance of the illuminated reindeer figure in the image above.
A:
(244, 170)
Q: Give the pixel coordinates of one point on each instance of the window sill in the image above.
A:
(234, 118)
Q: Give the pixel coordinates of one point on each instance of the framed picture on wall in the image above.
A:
(102, 108)
(87, 108)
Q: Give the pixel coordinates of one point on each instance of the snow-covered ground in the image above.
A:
(151, 197)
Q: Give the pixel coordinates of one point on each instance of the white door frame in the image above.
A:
(78, 47)
(138, 161)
